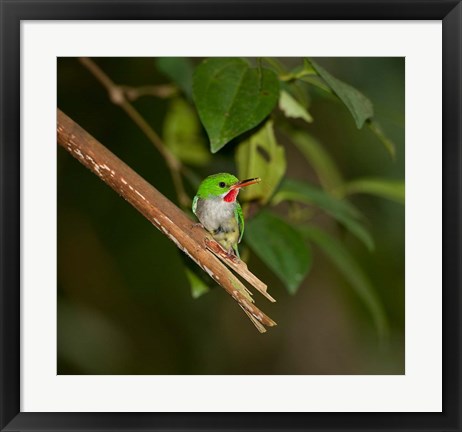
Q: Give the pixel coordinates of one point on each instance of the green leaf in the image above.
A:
(295, 190)
(179, 70)
(198, 286)
(182, 134)
(324, 166)
(391, 189)
(359, 105)
(232, 98)
(292, 108)
(317, 81)
(375, 127)
(261, 156)
(352, 272)
(358, 230)
(341, 210)
(280, 247)
(299, 72)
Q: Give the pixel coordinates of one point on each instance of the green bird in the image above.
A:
(218, 211)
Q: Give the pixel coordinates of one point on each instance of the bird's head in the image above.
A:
(223, 185)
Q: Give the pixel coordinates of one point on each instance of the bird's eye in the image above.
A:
(222, 184)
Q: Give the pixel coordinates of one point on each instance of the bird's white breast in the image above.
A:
(215, 212)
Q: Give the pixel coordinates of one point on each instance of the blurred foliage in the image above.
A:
(261, 156)
(324, 229)
(182, 134)
(280, 246)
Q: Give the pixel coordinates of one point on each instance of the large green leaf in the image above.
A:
(179, 70)
(352, 272)
(391, 189)
(324, 166)
(261, 156)
(359, 105)
(341, 210)
(232, 98)
(182, 134)
(292, 108)
(280, 247)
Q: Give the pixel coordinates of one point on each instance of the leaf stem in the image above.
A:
(160, 91)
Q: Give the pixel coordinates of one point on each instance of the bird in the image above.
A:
(219, 212)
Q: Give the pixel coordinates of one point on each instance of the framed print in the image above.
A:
(233, 216)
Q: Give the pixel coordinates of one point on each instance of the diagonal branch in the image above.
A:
(192, 239)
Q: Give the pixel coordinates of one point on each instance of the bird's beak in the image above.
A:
(245, 183)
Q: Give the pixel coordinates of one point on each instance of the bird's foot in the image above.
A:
(231, 256)
(218, 249)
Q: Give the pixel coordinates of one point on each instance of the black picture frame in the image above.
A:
(12, 12)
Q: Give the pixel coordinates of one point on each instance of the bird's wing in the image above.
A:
(194, 204)
(240, 221)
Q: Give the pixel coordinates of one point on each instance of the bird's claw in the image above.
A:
(218, 249)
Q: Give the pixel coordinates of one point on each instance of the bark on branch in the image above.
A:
(190, 238)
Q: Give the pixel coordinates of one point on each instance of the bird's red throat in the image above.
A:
(231, 195)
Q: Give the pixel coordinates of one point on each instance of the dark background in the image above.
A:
(124, 303)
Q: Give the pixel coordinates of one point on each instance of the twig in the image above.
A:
(118, 97)
(160, 91)
(162, 213)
